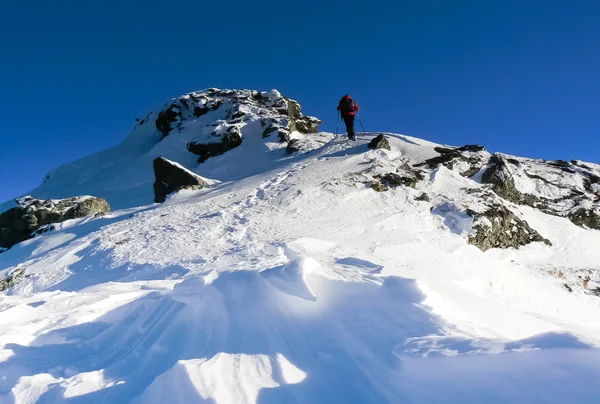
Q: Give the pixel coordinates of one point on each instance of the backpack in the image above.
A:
(347, 105)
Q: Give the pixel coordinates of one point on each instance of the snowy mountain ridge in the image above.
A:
(305, 268)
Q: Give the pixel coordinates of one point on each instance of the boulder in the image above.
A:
(380, 142)
(171, 177)
(31, 215)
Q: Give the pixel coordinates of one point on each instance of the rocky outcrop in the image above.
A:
(299, 122)
(498, 175)
(306, 124)
(556, 187)
(14, 278)
(405, 175)
(469, 159)
(172, 177)
(394, 180)
(558, 181)
(498, 227)
(380, 142)
(234, 115)
(32, 215)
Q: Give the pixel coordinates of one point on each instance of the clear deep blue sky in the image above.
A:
(518, 76)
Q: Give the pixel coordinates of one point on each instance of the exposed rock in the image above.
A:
(499, 176)
(171, 177)
(293, 146)
(206, 150)
(378, 186)
(299, 122)
(307, 144)
(498, 227)
(380, 142)
(279, 116)
(274, 126)
(307, 124)
(472, 157)
(22, 222)
(394, 180)
(585, 218)
(423, 197)
(569, 200)
(12, 279)
(166, 118)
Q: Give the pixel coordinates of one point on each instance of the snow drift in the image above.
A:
(324, 272)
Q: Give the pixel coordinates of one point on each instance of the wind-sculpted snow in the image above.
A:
(296, 282)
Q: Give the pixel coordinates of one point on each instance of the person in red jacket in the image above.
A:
(348, 108)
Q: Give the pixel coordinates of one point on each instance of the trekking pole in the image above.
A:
(361, 125)
(337, 124)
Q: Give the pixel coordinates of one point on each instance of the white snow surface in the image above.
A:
(289, 280)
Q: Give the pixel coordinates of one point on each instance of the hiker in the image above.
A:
(348, 108)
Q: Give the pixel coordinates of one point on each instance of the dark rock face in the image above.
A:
(32, 215)
(293, 146)
(166, 118)
(498, 227)
(171, 177)
(206, 150)
(380, 142)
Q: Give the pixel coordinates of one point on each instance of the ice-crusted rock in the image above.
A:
(222, 118)
(172, 177)
(30, 215)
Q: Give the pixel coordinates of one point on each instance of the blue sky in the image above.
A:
(522, 77)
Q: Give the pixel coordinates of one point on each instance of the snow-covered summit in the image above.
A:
(302, 268)
(186, 129)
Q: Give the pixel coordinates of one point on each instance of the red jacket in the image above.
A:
(356, 107)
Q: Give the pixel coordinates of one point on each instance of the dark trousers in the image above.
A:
(349, 121)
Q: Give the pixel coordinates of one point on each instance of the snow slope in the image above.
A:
(289, 279)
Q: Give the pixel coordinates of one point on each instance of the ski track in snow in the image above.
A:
(296, 285)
